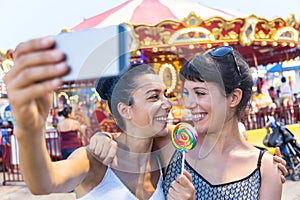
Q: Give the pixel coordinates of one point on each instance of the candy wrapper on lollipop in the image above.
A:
(184, 138)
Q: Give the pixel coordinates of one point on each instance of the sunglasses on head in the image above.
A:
(224, 51)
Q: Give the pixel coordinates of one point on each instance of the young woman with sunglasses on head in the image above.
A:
(217, 89)
(137, 101)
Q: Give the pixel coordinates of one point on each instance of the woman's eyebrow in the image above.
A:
(153, 90)
(196, 88)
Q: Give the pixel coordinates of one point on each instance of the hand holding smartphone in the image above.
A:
(94, 53)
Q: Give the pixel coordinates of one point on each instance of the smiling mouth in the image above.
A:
(162, 119)
(196, 117)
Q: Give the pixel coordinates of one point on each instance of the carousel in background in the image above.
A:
(180, 30)
(165, 33)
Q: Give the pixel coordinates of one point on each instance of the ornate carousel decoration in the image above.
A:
(180, 30)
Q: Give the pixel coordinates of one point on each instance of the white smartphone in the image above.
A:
(93, 53)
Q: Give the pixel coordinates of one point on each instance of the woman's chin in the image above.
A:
(162, 132)
(201, 129)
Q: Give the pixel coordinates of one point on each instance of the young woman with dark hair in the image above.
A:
(137, 101)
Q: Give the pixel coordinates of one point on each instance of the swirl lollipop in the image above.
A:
(184, 138)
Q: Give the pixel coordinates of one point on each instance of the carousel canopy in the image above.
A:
(151, 12)
(185, 28)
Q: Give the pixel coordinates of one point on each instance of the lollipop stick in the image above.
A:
(182, 162)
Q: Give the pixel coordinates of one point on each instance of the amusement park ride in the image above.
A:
(166, 33)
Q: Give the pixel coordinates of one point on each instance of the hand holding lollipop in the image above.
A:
(184, 137)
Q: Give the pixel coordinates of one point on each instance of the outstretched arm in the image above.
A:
(30, 85)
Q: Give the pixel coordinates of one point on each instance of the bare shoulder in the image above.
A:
(269, 166)
(271, 186)
(86, 159)
(94, 174)
(80, 158)
(267, 159)
(79, 153)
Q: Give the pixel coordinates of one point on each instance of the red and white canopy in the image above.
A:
(163, 25)
(151, 12)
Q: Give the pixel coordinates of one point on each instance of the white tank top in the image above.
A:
(111, 187)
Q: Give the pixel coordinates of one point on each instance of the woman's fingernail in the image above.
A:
(56, 54)
(45, 41)
(61, 65)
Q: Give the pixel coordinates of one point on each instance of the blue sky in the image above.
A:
(23, 20)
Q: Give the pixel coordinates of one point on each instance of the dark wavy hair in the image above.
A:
(116, 89)
(223, 71)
